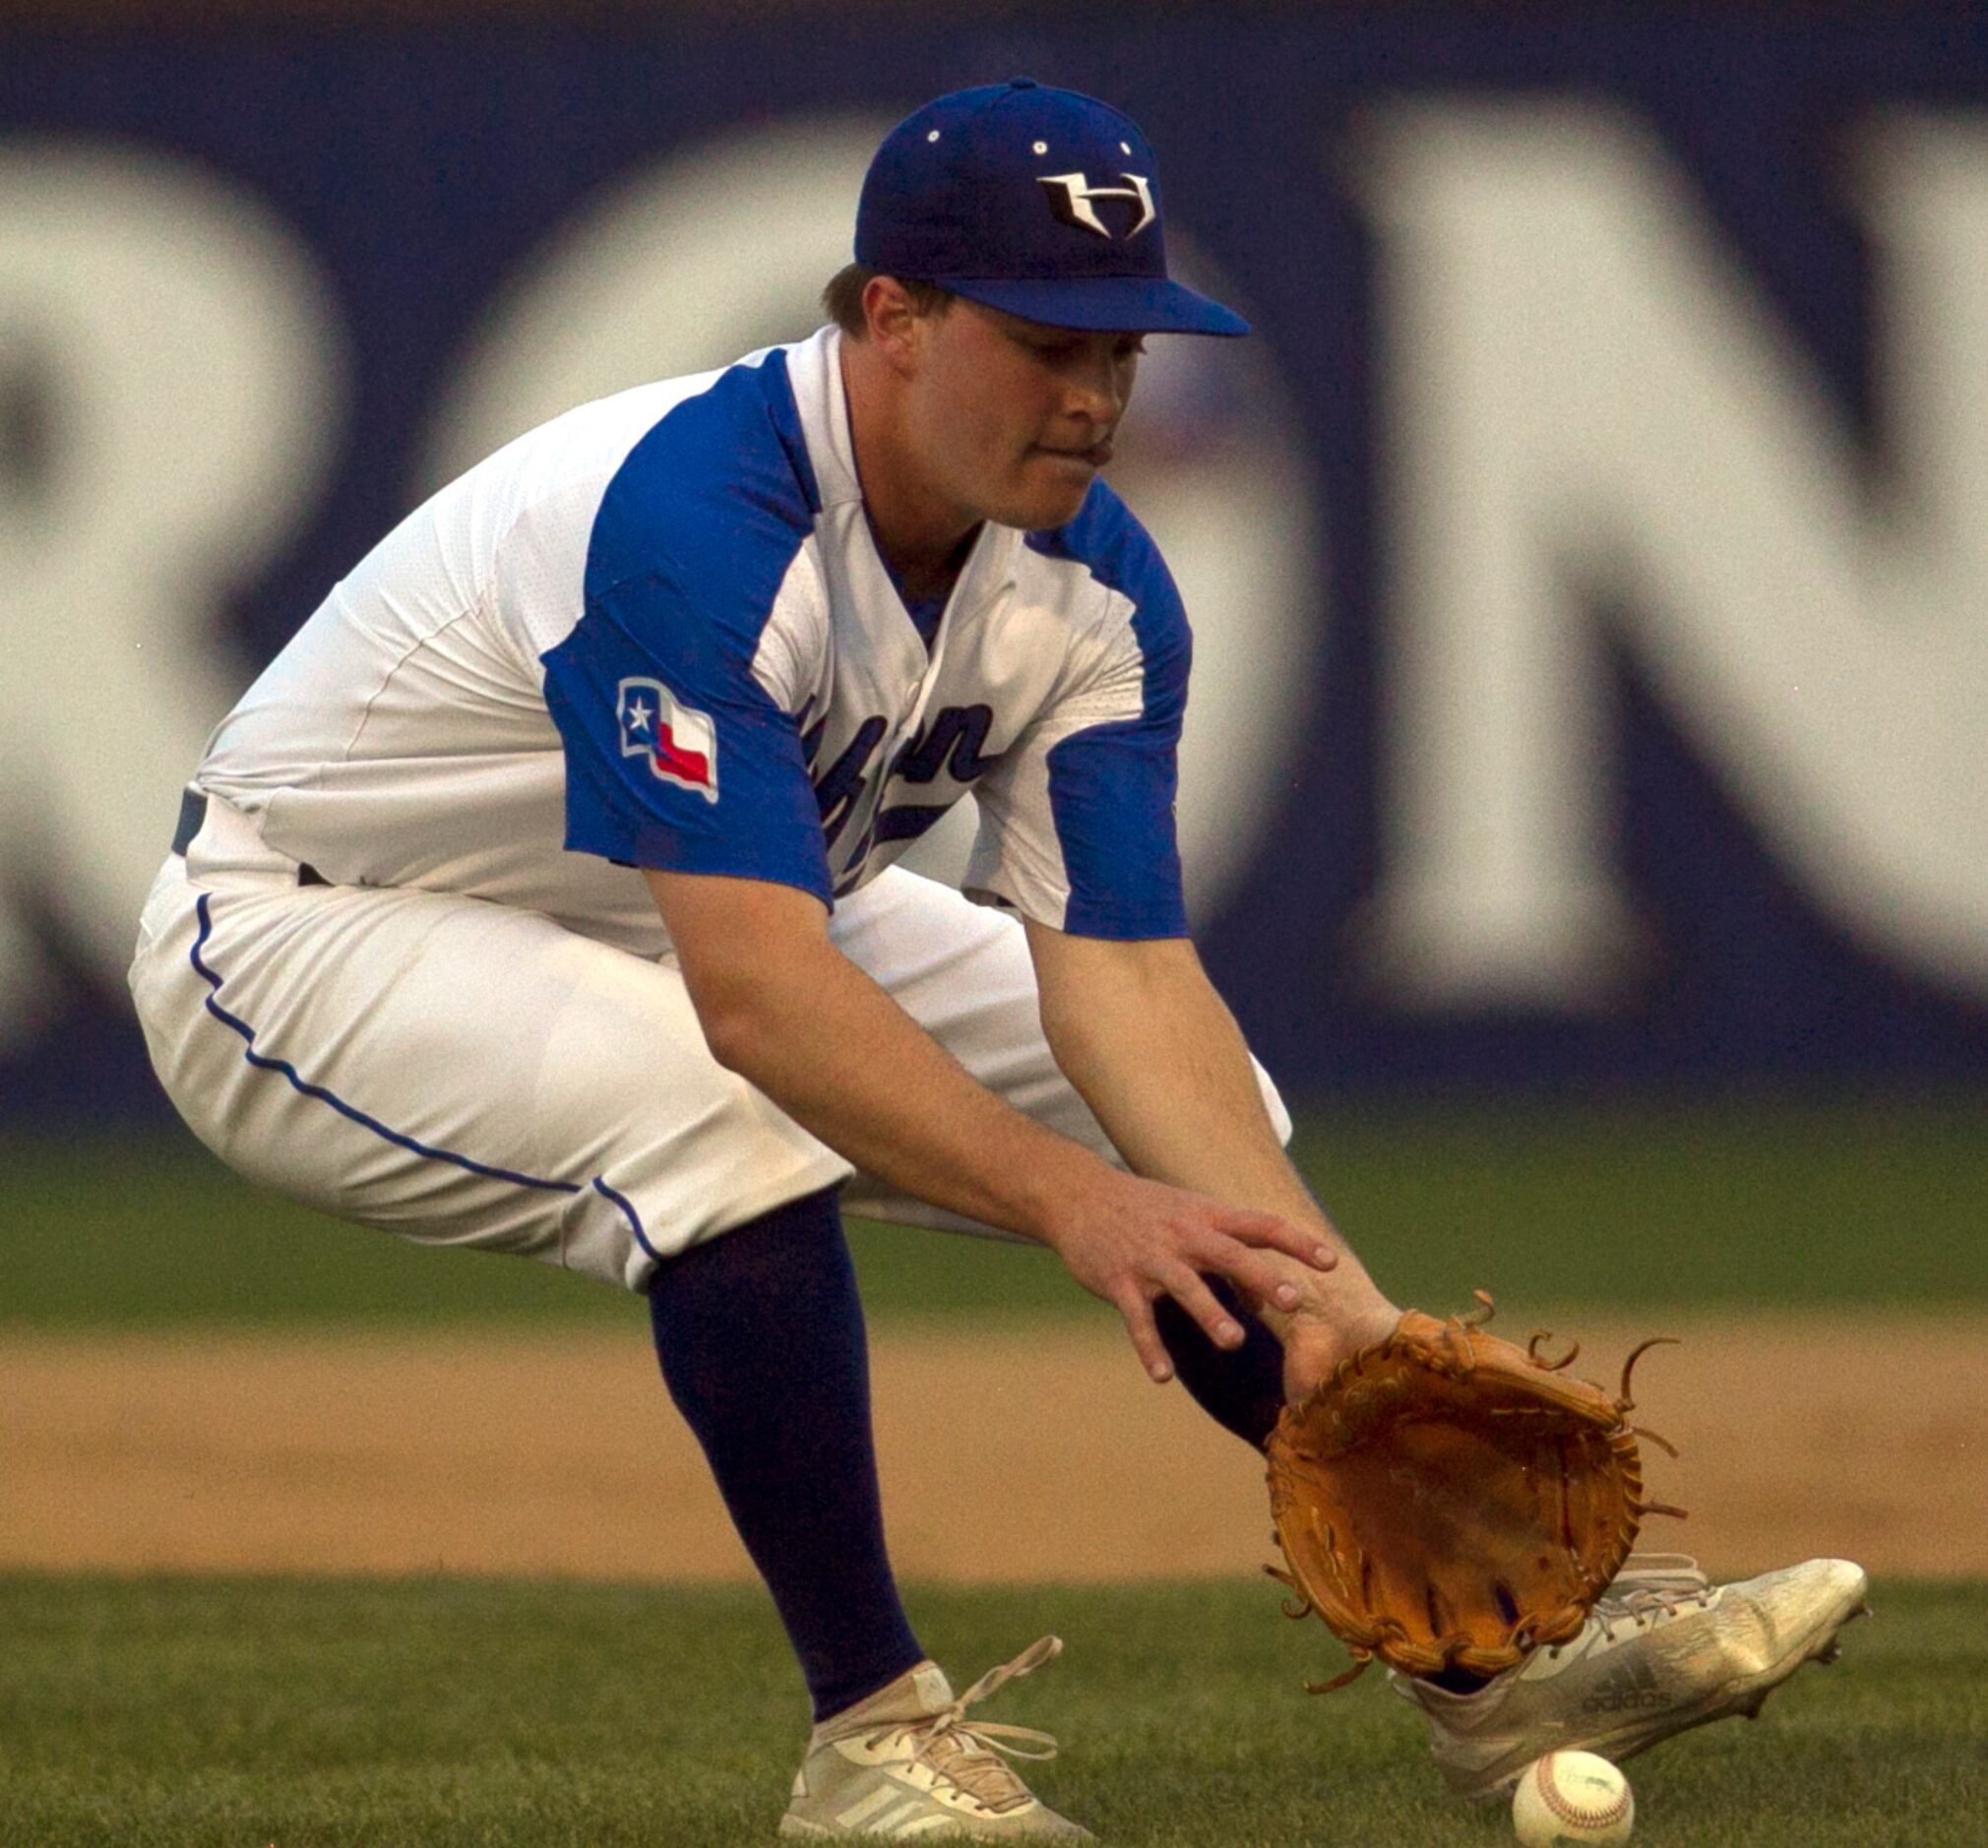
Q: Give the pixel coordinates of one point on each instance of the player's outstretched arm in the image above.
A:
(788, 1010)
(1141, 1032)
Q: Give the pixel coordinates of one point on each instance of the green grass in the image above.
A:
(1735, 1203)
(313, 1714)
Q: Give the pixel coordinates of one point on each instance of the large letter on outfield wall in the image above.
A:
(1588, 395)
(167, 369)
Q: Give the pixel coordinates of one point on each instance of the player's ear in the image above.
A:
(893, 320)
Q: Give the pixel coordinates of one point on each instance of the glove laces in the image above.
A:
(970, 1757)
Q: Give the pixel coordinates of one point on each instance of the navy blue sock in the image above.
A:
(1241, 1388)
(763, 1348)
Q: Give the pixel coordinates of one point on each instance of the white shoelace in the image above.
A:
(971, 1757)
(1655, 1585)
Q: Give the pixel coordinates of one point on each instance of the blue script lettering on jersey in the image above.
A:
(955, 740)
(840, 788)
(959, 732)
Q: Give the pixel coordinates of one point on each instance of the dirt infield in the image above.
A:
(1039, 1454)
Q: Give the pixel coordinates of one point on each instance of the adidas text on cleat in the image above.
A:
(906, 1763)
(1664, 1650)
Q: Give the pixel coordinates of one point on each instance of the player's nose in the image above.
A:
(1098, 387)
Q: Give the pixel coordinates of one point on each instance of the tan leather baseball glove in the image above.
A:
(1449, 1499)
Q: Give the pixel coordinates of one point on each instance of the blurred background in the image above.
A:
(1584, 790)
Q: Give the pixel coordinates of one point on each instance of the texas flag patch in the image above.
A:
(679, 742)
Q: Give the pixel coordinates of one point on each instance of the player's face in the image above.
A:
(1015, 418)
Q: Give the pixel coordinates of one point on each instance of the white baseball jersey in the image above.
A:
(657, 631)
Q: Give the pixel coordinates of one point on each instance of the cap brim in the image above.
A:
(1108, 304)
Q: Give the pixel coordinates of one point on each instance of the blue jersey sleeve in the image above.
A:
(676, 756)
(1076, 821)
(1112, 788)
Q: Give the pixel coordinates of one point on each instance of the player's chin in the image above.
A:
(1053, 490)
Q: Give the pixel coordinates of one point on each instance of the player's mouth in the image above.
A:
(1098, 455)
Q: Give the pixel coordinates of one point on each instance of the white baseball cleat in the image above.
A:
(1664, 1650)
(905, 1763)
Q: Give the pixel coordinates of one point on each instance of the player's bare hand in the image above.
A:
(1316, 1340)
(1132, 1241)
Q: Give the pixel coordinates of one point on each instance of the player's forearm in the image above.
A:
(1179, 1098)
(1142, 1033)
(846, 1062)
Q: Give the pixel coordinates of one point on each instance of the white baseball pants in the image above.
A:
(463, 1073)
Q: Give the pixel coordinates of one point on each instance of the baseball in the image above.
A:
(1572, 1797)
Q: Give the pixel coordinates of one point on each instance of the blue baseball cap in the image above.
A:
(1038, 201)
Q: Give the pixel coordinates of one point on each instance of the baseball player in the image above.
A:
(539, 896)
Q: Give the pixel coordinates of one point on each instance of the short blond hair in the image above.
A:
(843, 297)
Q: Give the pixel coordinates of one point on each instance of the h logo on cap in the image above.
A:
(1071, 195)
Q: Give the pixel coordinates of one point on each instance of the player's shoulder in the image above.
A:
(722, 475)
(1108, 544)
(689, 428)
